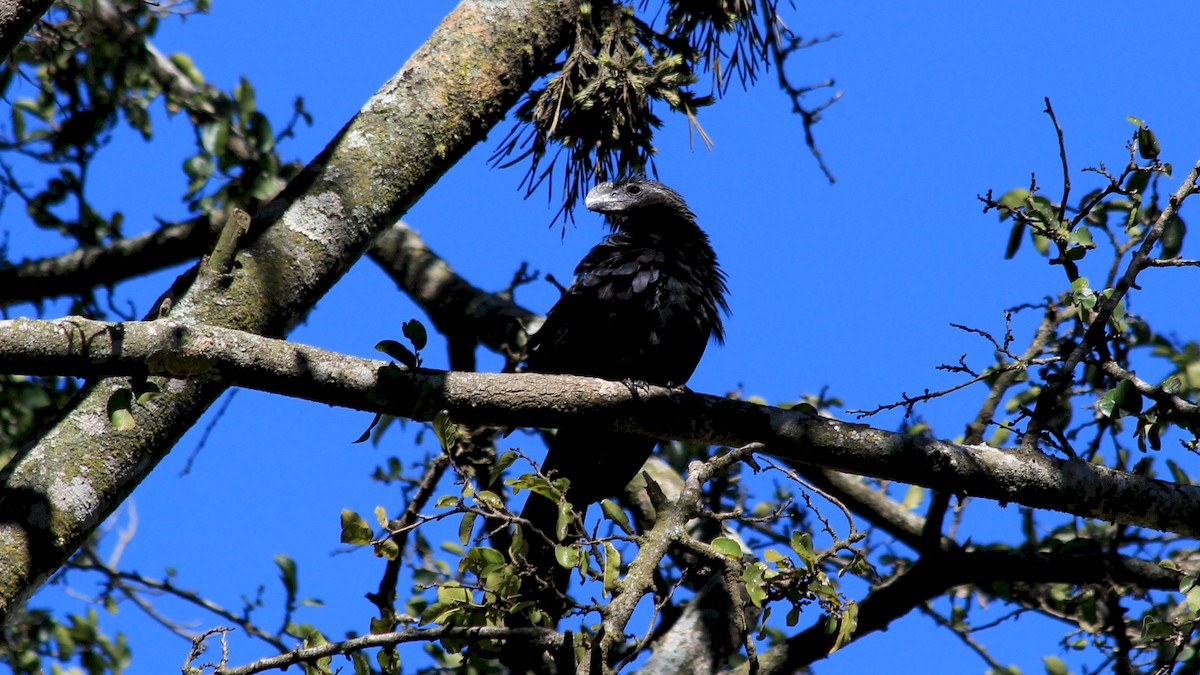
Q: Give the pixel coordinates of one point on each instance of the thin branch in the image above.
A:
(541, 636)
(1094, 335)
(963, 634)
(934, 575)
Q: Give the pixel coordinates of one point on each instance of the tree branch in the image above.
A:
(172, 349)
(934, 575)
(16, 18)
(87, 268)
(297, 656)
(57, 491)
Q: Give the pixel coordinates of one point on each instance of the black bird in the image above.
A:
(643, 306)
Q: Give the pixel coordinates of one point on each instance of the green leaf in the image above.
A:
(355, 530)
(490, 499)
(243, 94)
(1040, 243)
(773, 556)
(18, 123)
(265, 186)
(1189, 587)
(1055, 666)
(566, 515)
(1148, 146)
(913, 497)
(198, 167)
(803, 546)
(504, 461)
(1153, 629)
(517, 548)
(415, 332)
(615, 513)
(453, 592)
(1138, 180)
(397, 351)
(1172, 238)
(502, 582)
(380, 626)
(446, 501)
(612, 567)
(1012, 200)
(287, 573)
(1014, 240)
(120, 412)
(214, 136)
(1081, 236)
(1120, 401)
(387, 548)
(846, 627)
(567, 556)
(367, 434)
(755, 587)
(728, 547)
(445, 430)
(465, 527)
(185, 64)
(258, 130)
(1178, 474)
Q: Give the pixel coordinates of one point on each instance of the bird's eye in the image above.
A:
(634, 189)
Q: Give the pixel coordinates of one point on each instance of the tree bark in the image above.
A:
(458, 85)
(210, 354)
(16, 18)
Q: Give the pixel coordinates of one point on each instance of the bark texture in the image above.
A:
(204, 353)
(16, 18)
(450, 92)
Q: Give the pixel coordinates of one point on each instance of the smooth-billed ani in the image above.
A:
(643, 306)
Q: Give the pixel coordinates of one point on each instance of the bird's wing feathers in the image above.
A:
(612, 320)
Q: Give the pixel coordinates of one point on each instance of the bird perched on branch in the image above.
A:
(644, 304)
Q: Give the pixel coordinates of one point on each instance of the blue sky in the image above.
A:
(851, 286)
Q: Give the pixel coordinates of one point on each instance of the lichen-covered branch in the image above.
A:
(16, 18)
(443, 101)
(174, 349)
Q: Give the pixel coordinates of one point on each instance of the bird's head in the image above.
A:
(637, 198)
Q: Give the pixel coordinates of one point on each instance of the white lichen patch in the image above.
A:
(77, 498)
(310, 215)
(94, 423)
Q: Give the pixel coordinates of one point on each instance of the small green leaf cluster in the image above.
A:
(1115, 231)
(236, 142)
(33, 635)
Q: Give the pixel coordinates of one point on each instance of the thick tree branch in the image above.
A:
(86, 268)
(169, 348)
(443, 101)
(16, 18)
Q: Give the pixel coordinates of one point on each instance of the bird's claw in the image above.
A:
(636, 387)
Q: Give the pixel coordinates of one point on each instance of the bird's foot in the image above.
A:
(636, 387)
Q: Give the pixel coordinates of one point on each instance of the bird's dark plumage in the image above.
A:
(643, 306)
